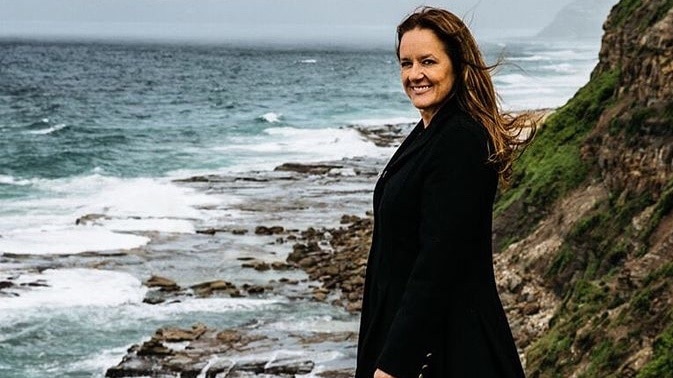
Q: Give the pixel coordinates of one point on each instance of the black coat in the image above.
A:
(430, 293)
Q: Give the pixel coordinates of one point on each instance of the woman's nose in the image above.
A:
(416, 72)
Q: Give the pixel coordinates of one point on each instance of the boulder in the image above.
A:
(163, 283)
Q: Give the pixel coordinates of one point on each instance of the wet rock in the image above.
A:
(235, 293)
(206, 289)
(349, 218)
(531, 308)
(311, 169)
(239, 231)
(180, 334)
(204, 178)
(38, 283)
(5, 284)
(320, 296)
(220, 368)
(288, 281)
(254, 289)
(298, 252)
(336, 374)
(263, 230)
(157, 297)
(153, 347)
(258, 265)
(210, 231)
(342, 270)
(163, 283)
(386, 135)
(354, 306)
(211, 353)
(279, 265)
(288, 366)
(308, 262)
(229, 336)
(89, 219)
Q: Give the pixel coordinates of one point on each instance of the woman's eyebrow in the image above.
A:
(426, 56)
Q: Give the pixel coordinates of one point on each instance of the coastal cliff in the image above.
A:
(585, 233)
(579, 19)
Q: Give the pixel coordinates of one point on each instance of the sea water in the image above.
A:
(105, 128)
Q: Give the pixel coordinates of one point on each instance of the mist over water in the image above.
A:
(268, 22)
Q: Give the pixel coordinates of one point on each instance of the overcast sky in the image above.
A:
(258, 20)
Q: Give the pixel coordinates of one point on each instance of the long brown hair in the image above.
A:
(473, 87)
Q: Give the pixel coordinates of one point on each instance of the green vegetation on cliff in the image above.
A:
(552, 165)
(611, 268)
(661, 364)
(624, 11)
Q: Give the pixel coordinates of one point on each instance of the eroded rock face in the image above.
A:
(642, 50)
(528, 297)
(633, 141)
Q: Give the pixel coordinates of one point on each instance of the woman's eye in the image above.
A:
(405, 64)
(428, 62)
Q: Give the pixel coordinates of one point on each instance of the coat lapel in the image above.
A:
(414, 142)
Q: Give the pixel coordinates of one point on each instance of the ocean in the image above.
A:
(106, 129)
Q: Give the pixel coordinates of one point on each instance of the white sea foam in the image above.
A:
(309, 61)
(328, 143)
(75, 288)
(150, 224)
(531, 58)
(99, 361)
(47, 224)
(514, 78)
(315, 324)
(570, 54)
(67, 241)
(143, 197)
(283, 144)
(270, 117)
(9, 180)
(373, 122)
(523, 91)
(563, 68)
(206, 305)
(48, 130)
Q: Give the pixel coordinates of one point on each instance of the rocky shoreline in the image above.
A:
(322, 263)
(333, 259)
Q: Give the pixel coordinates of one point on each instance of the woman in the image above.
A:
(430, 306)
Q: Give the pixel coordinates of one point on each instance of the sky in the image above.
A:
(272, 21)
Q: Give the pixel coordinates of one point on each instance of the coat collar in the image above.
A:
(419, 136)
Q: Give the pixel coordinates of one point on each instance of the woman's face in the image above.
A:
(426, 71)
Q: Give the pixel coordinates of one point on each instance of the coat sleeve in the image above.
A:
(451, 208)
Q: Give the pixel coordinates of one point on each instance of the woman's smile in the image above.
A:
(420, 89)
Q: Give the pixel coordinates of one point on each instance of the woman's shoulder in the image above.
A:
(460, 129)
